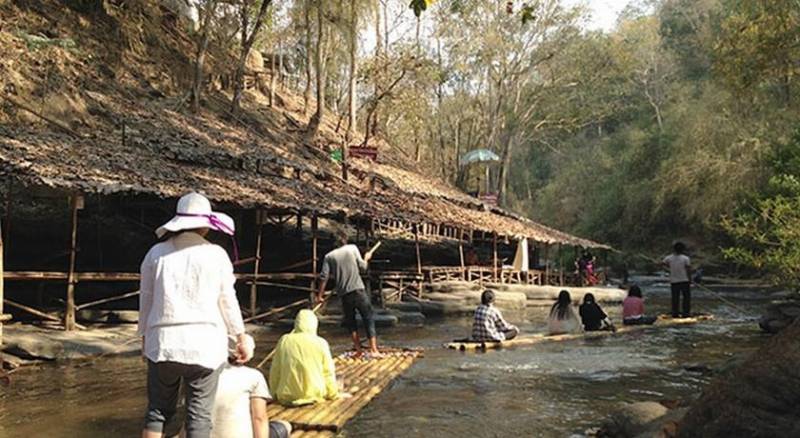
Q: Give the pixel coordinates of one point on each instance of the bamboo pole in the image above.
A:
(257, 265)
(76, 202)
(106, 300)
(32, 311)
(285, 286)
(314, 255)
(494, 256)
(276, 310)
(416, 244)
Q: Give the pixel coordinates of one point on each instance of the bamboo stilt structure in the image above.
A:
(76, 202)
(461, 254)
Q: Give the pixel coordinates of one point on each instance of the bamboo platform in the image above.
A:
(663, 321)
(363, 379)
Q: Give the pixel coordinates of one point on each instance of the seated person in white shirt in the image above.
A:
(240, 406)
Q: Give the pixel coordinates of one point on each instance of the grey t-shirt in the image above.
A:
(344, 264)
(679, 265)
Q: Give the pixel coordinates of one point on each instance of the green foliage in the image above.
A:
(767, 230)
(757, 45)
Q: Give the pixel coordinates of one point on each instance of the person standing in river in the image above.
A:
(680, 273)
(345, 265)
(187, 309)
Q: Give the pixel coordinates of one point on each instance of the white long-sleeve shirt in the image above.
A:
(187, 302)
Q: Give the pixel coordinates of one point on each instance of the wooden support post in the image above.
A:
(560, 266)
(494, 257)
(416, 243)
(546, 263)
(256, 263)
(314, 256)
(2, 285)
(76, 203)
(299, 225)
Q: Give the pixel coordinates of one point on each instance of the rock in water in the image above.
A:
(779, 316)
(632, 419)
(760, 398)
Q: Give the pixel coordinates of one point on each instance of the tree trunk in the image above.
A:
(351, 122)
(309, 60)
(247, 44)
(505, 169)
(200, 59)
(273, 78)
(316, 119)
(281, 77)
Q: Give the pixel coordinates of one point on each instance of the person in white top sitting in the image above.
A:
(187, 309)
(240, 407)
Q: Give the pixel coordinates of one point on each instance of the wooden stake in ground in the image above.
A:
(76, 203)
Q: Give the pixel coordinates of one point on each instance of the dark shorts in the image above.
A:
(357, 300)
(163, 386)
(277, 430)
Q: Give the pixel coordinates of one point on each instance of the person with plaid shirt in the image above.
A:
(489, 324)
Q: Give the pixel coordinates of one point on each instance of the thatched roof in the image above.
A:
(250, 175)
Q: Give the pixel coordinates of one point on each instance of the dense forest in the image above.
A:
(680, 122)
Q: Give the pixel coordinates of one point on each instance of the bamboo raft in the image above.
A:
(663, 321)
(363, 379)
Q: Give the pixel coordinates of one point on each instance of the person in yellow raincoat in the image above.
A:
(302, 370)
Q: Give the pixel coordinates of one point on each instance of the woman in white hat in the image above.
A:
(187, 309)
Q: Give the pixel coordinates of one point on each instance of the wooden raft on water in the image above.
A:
(363, 379)
(663, 321)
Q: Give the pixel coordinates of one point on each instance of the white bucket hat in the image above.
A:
(193, 212)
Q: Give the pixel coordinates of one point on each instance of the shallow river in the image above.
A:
(554, 390)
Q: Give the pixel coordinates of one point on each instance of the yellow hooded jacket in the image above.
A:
(302, 370)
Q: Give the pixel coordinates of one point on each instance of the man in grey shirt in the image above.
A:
(345, 264)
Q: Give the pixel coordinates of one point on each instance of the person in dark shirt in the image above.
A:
(593, 317)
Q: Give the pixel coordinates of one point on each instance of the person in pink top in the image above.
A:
(633, 308)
